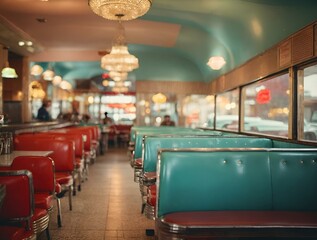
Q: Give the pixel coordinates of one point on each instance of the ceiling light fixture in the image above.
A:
(118, 76)
(65, 85)
(36, 70)
(125, 9)
(216, 62)
(119, 59)
(57, 80)
(48, 75)
(159, 98)
(8, 72)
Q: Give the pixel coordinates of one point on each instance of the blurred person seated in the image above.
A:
(43, 114)
(85, 118)
(167, 121)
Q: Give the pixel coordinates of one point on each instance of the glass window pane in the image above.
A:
(266, 106)
(151, 108)
(307, 111)
(227, 110)
(198, 110)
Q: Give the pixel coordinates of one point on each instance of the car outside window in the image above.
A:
(266, 107)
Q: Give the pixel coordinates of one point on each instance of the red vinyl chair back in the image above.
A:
(85, 131)
(42, 169)
(77, 138)
(94, 129)
(63, 150)
(18, 204)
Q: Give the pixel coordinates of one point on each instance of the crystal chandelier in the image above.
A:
(118, 76)
(125, 9)
(119, 59)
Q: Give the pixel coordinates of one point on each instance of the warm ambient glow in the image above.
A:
(65, 85)
(119, 59)
(36, 70)
(123, 9)
(57, 80)
(8, 72)
(36, 90)
(118, 76)
(48, 75)
(216, 62)
(159, 98)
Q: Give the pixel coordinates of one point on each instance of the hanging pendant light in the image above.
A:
(36, 70)
(8, 72)
(118, 76)
(49, 73)
(125, 9)
(119, 59)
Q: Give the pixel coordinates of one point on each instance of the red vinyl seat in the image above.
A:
(42, 169)
(96, 135)
(17, 209)
(80, 168)
(64, 159)
(89, 151)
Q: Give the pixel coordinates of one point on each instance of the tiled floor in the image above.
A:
(107, 208)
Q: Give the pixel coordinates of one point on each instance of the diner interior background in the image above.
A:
(173, 42)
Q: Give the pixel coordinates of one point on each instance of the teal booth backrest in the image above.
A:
(153, 143)
(213, 180)
(294, 179)
(136, 129)
(283, 144)
(166, 131)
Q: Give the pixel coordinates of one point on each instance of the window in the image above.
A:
(307, 103)
(266, 106)
(227, 110)
(198, 110)
(151, 108)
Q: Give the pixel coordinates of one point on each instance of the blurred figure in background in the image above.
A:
(85, 118)
(43, 114)
(107, 120)
(167, 121)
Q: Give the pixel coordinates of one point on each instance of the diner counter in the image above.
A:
(33, 126)
(6, 159)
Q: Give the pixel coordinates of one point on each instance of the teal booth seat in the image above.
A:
(166, 131)
(294, 179)
(216, 139)
(135, 129)
(153, 143)
(197, 180)
(237, 179)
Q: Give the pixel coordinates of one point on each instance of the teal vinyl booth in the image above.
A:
(205, 193)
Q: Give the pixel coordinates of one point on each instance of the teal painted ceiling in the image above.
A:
(194, 29)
